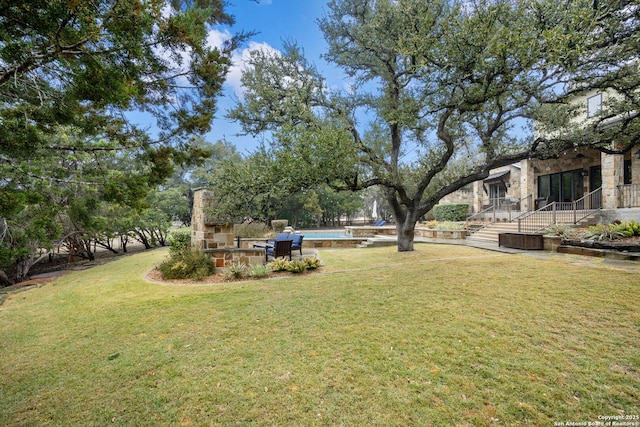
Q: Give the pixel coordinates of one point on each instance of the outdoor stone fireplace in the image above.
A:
(218, 238)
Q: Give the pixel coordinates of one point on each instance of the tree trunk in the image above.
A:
(4, 280)
(406, 216)
(124, 239)
(23, 266)
(405, 231)
(86, 245)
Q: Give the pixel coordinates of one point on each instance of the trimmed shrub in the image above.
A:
(187, 264)
(278, 225)
(451, 212)
(179, 240)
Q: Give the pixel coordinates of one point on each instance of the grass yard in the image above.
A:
(443, 336)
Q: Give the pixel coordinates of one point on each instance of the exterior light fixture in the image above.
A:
(637, 154)
(584, 172)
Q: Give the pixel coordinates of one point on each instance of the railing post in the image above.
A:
(519, 225)
(575, 212)
(553, 215)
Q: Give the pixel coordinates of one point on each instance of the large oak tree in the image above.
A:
(441, 92)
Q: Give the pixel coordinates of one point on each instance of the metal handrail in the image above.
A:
(482, 212)
(629, 196)
(493, 209)
(561, 213)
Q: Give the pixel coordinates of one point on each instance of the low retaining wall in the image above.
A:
(225, 257)
(429, 233)
(370, 231)
(332, 243)
(432, 233)
(552, 243)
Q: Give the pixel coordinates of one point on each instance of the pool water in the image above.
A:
(325, 235)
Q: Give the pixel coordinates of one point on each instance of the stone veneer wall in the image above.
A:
(476, 197)
(370, 231)
(218, 240)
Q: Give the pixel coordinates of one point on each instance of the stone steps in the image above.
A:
(492, 230)
(376, 242)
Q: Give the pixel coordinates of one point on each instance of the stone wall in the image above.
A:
(218, 240)
(225, 257)
(370, 231)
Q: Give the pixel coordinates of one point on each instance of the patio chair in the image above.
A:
(280, 249)
(380, 223)
(295, 238)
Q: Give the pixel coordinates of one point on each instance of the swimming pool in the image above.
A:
(334, 234)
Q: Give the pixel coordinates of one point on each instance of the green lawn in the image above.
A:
(443, 336)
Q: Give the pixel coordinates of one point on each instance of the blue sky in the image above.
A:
(274, 21)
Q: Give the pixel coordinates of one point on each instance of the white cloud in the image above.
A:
(216, 38)
(240, 60)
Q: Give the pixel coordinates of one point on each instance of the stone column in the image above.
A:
(612, 176)
(198, 228)
(527, 185)
(477, 196)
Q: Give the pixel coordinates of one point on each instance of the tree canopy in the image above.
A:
(441, 92)
(83, 66)
(73, 76)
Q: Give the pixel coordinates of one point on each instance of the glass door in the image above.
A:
(497, 192)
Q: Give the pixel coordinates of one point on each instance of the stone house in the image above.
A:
(579, 178)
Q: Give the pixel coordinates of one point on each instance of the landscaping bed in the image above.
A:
(631, 245)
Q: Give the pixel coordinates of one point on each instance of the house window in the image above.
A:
(627, 172)
(594, 105)
(561, 187)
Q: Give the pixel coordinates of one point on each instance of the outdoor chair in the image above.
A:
(295, 238)
(380, 223)
(280, 249)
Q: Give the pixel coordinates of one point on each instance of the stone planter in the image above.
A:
(552, 243)
(431, 233)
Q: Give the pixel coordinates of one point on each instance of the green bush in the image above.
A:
(297, 266)
(450, 226)
(179, 240)
(258, 271)
(565, 231)
(252, 229)
(279, 264)
(312, 263)
(630, 228)
(605, 232)
(237, 270)
(278, 225)
(187, 264)
(451, 212)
